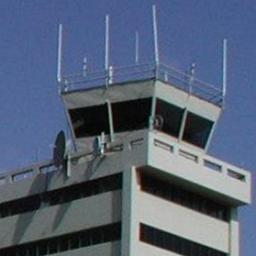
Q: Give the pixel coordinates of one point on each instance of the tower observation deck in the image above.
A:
(139, 180)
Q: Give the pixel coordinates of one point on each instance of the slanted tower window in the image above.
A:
(90, 121)
(197, 130)
(127, 116)
(131, 115)
(171, 117)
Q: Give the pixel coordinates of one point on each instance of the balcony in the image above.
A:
(217, 178)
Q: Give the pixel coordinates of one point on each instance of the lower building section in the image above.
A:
(139, 211)
(173, 209)
(57, 220)
(67, 242)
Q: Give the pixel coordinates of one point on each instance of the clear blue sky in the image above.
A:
(189, 31)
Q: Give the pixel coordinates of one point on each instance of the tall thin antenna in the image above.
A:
(224, 72)
(84, 66)
(59, 65)
(155, 35)
(137, 45)
(107, 43)
(191, 74)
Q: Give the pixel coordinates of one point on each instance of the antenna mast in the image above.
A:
(224, 72)
(59, 64)
(137, 42)
(107, 43)
(155, 35)
(84, 66)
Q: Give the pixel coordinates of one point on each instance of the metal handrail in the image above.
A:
(162, 72)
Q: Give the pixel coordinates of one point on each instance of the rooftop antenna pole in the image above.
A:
(155, 35)
(107, 48)
(84, 66)
(137, 42)
(224, 72)
(59, 65)
(191, 76)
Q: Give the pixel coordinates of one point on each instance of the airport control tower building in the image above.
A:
(139, 181)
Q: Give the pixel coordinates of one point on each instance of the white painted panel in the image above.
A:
(183, 222)
(150, 250)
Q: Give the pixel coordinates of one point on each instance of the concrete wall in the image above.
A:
(141, 207)
(150, 250)
(138, 149)
(115, 93)
(82, 168)
(183, 222)
(106, 249)
(60, 219)
(187, 164)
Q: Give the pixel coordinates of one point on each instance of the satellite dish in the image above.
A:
(59, 149)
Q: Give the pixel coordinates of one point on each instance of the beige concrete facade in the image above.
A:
(160, 155)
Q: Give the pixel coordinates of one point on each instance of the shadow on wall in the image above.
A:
(40, 184)
(92, 167)
(116, 248)
(60, 215)
(24, 220)
(63, 208)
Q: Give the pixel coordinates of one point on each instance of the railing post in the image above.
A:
(107, 49)
(165, 76)
(191, 77)
(110, 75)
(155, 40)
(224, 72)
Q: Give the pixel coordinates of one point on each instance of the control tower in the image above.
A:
(155, 129)
(139, 180)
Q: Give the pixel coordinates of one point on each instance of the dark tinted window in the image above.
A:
(127, 116)
(131, 115)
(175, 243)
(197, 130)
(62, 195)
(171, 192)
(67, 242)
(170, 117)
(90, 121)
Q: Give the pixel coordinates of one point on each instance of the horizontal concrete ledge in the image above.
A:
(61, 219)
(217, 177)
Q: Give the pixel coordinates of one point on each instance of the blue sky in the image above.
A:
(31, 113)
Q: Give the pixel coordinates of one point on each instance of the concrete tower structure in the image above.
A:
(139, 180)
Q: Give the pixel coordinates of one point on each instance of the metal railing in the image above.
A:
(162, 72)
